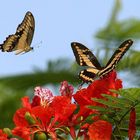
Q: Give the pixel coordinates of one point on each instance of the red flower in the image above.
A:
(66, 89)
(103, 86)
(47, 113)
(23, 132)
(19, 117)
(36, 101)
(84, 96)
(100, 130)
(132, 124)
(82, 99)
(3, 136)
(26, 102)
(63, 108)
(45, 96)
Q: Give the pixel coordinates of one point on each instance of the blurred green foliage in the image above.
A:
(112, 35)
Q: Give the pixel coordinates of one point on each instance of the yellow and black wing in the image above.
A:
(88, 75)
(21, 40)
(85, 57)
(118, 54)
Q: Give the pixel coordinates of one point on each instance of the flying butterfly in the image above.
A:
(21, 40)
(85, 57)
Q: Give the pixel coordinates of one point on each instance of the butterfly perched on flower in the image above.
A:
(85, 57)
(21, 40)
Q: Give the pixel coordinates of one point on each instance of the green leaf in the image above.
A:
(131, 94)
(117, 109)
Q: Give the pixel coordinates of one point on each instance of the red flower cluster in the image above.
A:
(51, 116)
(46, 114)
(83, 97)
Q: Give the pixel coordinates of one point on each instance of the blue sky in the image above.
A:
(58, 23)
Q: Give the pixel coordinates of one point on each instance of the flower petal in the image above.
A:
(132, 124)
(100, 130)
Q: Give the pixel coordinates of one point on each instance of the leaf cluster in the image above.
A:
(117, 111)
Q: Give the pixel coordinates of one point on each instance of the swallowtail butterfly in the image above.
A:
(21, 40)
(85, 57)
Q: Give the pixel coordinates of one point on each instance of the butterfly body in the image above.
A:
(21, 40)
(85, 57)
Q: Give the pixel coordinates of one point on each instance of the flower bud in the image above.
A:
(40, 136)
(8, 132)
(29, 118)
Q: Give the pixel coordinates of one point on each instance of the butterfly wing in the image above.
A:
(21, 40)
(118, 54)
(9, 43)
(84, 56)
(88, 75)
(26, 31)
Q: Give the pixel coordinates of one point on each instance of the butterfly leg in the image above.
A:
(80, 86)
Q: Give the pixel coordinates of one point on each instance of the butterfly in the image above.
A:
(21, 40)
(85, 57)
